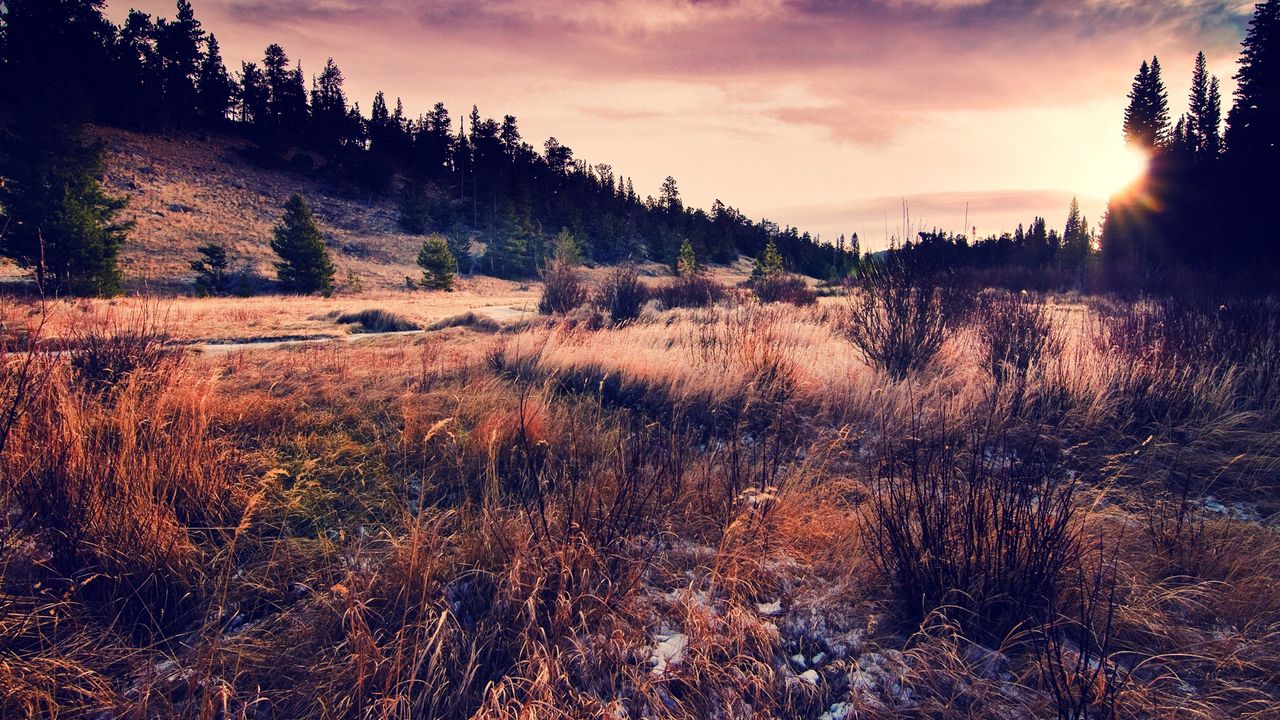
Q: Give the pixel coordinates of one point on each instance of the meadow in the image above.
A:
(900, 501)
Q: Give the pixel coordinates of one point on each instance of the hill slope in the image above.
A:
(186, 190)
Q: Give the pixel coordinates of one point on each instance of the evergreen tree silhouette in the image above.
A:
(214, 86)
(1146, 120)
(1253, 125)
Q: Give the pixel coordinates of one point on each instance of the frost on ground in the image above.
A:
(668, 651)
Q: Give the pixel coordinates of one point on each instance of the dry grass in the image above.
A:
(698, 513)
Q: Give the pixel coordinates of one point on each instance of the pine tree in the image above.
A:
(211, 269)
(567, 247)
(286, 94)
(1146, 120)
(414, 212)
(769, 264)
(253, 96)
(178, 45)
(669, 195)
(687, 264)
(304, 266)
(61, 224)
(509, 136)
(214, 85)
(329, 107)
(1253, 125)
(439, 266)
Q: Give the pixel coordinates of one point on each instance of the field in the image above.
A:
(738, 510)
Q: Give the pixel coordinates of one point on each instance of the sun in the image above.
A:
(1118, 172)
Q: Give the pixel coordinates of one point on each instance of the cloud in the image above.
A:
(869, 64)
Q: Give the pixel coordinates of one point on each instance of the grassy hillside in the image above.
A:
(186, 190)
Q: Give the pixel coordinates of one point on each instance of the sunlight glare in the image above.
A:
(1119, 173)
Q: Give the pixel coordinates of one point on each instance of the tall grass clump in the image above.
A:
(1240, 339)
(377, 320)
(963, 520)
(621, 294)
(113, 465)
(562, 289)
(104, 351)
(898, 320)
(1016, 331)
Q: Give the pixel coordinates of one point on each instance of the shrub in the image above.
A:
(621, 294)
(783, 287)
(1238, 341)
(897, 321)
(689, 290)
(968, 522)
(438, 264)
(562, 289)
(1015, 332)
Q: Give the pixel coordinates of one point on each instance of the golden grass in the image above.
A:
(668, 518)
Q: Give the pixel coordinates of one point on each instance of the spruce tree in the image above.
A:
(687, 263)
(1212, 121)
(304, 265)
(1146, 120)
(1253, 126)
(211, 269)
(214, 86)
(1197, 124)
(61, 224)
(438, 264)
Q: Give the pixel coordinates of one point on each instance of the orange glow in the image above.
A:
(1119, 173)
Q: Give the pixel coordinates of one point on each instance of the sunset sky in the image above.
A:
(823, 115)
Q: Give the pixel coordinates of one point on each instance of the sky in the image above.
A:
(829, 115)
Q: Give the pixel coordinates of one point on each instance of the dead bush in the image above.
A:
(621, 294)
(898, 321)
(965, 520)
(562, 289)
(1015, 331)
(689, 290)
(104, 351)
(784, 287)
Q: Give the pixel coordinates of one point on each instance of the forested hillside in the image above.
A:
(473, 178)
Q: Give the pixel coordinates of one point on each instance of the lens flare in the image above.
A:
(1122, 172)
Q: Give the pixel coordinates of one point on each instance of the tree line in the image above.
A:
(1036, 248)
(64, 65)
(1207, 211)
(1210, 205)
